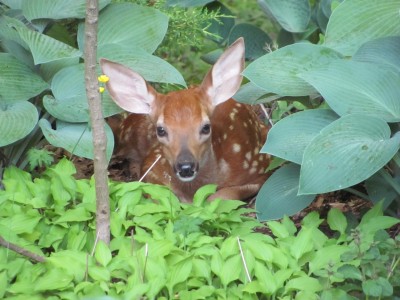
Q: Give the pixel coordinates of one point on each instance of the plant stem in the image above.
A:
(358, 193)
(390, 180)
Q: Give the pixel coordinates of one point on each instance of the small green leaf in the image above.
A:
(228, 206)
(379, 223)
(350, 272)
(303, 243)
(102, 254)
(278, 229)
(379, 287)
(77, 214)
(99, 273)
(337, 221)
(21, 223)
(71, 262)
(326, 258)
(304, 283)
(3, 283)
(180, 272)
(203, 193)
(53, 279)
(231, 269)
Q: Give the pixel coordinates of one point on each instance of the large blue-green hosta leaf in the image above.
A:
(359, 87)
(16, 121)
(289, 137)
(70, 102)
(75, 138)
(355, 22)
(277, 72)
(278, 196)
(255, 39)
(249, 93)
(8, 32)
(383, 50)
(346, 152)
(14, 4)
(292, 15)
(151, 67)
(57, 9)
(129, 24)
(45, 48)
(18, 82)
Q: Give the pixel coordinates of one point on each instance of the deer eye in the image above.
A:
(206, 129)
(161, 132)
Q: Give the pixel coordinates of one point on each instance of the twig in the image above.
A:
(146, 255)
(266, 114)
(22, 251)
(151, 167)
(244, 260)
(95, 244)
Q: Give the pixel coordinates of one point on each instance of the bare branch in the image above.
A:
(32, 256)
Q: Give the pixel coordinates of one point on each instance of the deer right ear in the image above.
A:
(127, 88)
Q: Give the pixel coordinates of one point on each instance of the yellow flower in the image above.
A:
(103, 78)
(101, 89)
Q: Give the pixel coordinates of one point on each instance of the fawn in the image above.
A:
(202, 135)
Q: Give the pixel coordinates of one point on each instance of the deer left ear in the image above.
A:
(224, 79)
(127, 88)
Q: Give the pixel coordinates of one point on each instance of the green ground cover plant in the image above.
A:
(164, 249)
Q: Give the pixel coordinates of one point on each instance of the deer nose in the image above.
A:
(186, 167)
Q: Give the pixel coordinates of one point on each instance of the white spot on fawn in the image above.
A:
(231, 127)
(252, 170)
(248, 155)
(245, 164)
(225, 136)
(224, 166)
(236, 148)
(232, 116)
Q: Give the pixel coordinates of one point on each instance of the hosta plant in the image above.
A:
(354, 136)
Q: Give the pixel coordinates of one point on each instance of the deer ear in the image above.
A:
(224, 79)
(127, 88)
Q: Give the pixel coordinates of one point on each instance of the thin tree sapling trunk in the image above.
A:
(97, 122)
